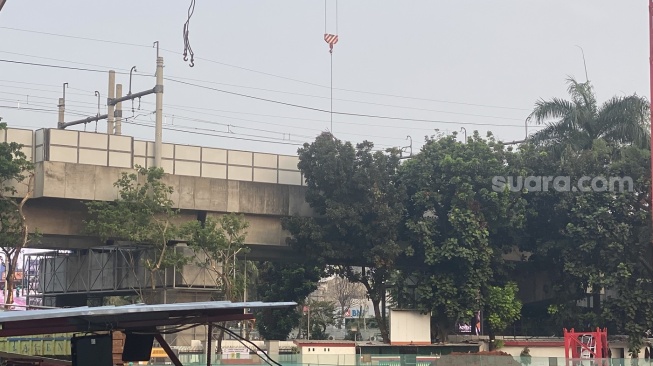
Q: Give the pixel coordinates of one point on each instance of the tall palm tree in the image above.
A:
(575, 125)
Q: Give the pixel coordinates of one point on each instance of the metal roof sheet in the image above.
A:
(101, 311)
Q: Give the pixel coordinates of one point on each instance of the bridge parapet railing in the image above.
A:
(119, 151)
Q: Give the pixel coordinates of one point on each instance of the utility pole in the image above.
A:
(158, 131)
(62, 107)
(118, 111)
(308, 324)
(113, 102)
(110, 107)
(61, 112)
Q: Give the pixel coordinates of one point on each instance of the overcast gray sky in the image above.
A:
(477, 64)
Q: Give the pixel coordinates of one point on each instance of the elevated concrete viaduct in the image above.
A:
(73, 167)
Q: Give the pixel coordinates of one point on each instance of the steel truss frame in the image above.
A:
(104, 271)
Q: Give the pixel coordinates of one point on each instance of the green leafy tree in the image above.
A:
(596, 243)
(217, 243)
(16, 170)
(575, 124)
(284, 282)
(359, 203)
(142, 214)
(459, 225)
(502, 307)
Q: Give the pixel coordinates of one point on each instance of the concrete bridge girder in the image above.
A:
(58, 211)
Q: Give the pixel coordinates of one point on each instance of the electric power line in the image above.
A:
(266, 73)
(278, 91)
(59, 66)
(335, 112)
(276, 101)
(88, 104)
(215, 133)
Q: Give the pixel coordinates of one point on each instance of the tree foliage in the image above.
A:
(578, 122)
(359, 205)
(217, 243)
(596, 244)
(458, 225)
(321, 314)
(16, 170)
(284, 282)
(503, 307)
(142, 214)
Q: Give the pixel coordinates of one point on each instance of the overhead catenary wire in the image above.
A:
(196, 131)
(262, 72)
(59, 66)
(335, 112)
(340, 113)
(297, 105)
(289, 93)
(191, 109)
(215, 134)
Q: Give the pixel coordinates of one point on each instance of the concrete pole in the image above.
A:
(111, 94)
(209, 347)
(308, 323)
(118, 113)
(61, 112)
(158, 131)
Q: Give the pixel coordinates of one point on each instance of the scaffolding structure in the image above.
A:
(586, 348)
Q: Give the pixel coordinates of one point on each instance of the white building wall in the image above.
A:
(409, 326)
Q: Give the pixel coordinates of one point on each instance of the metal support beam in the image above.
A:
(169, 352)
(110, 107)
(115, 101)
(158, 130)
(81, 121)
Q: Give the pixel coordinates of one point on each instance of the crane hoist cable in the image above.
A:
(331, 40)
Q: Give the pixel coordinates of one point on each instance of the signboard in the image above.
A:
(355, 313)
(472, 327)
(231, 353)
(464, 328)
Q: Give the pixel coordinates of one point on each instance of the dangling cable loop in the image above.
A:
(187, 48)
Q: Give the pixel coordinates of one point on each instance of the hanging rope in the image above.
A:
(187, 48)
(331, 39)
(331, 110)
